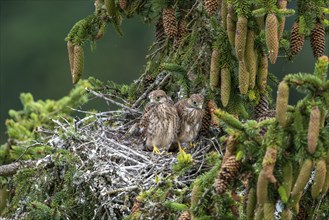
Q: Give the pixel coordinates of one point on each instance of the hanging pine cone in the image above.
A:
(185, 216)
(296, 39)
(206, 121)
(241, 37)
(261, 108)
(228, 172)
(225, 86)
(123, 4)
(78, 63)
(318, 41)
(211, 6)
(243, 78)
(251, 58)
(160, 35)
(272, 41)
(169, 22)
(282, 4)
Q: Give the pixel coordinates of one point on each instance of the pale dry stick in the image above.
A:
(158, 82)
(100, 95)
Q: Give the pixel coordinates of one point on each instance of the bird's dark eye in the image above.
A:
(158, 98)
(194, 102)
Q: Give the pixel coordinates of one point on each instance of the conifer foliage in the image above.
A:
(221, 49)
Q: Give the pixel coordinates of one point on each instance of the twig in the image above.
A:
(113, 102)
(150, 88)
(11, 169)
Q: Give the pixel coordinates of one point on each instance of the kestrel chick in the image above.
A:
(160, 122)
(190, 112)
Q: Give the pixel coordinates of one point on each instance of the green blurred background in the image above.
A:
(34, 55)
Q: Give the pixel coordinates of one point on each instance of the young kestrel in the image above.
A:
(190, 112)
(160, 122)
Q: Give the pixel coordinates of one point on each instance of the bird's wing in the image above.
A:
(145, 120)
(180, 106)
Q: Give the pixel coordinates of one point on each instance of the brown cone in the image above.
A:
(282, 4)
(318, 42)
(296, 40)
(251, 58)
(169, 22)
(241, 37)
(272, 41)
(206, 121)
(214, 69)
(223, 14)
(313, 130)
(225, 86)
(211, 6)
(243, 78)
(228, 172)
(78, 63)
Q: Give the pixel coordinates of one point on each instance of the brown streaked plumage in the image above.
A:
(190, 112)
(160, 122)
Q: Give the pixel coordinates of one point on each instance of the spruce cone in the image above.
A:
(282, 4)
(269, 211)
(241, 37)
(251, 203)
(272, 41)
(206, 121)
(123, 4)
(302, 179)
(169, 22)
(214, 69)
(231, 29)
(243, 78)
(318, 41)
(296, 40)
(185, 216)
(225, 86)
(261, 108)
(313, 130)
(251, 59)
(223, 14)
(228, 172)
(211, 6)
(282, 103)
(262, 192)
(78, 63)
(319, 178)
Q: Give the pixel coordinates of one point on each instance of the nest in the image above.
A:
(112, 163)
